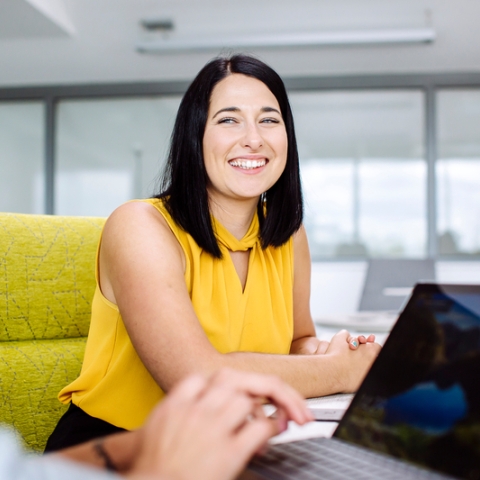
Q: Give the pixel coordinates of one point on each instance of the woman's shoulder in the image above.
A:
(132, 210)
(137, 216)
(149, 216)
(139, 225)
(146, 209)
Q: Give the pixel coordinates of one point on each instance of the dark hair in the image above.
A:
(184, 181)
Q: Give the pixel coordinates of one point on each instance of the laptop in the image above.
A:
(417, 412)
(388, 284)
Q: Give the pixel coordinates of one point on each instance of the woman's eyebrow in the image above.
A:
(227, 109)
(236, 109)
(270, 109)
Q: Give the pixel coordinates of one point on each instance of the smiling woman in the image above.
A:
(214, 271)
(244, 145)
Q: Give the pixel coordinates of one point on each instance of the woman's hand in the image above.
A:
(211, 427)
(308, 346)
(355, 342)
(315, 346)
(352, 363)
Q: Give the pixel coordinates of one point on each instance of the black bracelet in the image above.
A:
(101, 452)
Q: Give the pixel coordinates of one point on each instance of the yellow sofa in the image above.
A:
(46, 285)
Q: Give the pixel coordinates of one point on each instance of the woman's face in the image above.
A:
(245, 141)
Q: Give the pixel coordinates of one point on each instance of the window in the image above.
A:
(458, 172)
(110, 151)
(363, 147)
(363, 171)
(22, 168)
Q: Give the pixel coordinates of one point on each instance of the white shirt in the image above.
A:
(15, 464)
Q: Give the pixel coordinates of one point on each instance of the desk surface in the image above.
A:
(315, 428)
(309, 430)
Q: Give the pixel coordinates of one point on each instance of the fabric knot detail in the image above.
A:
(228, 240)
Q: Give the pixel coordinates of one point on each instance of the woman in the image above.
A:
(215, 270)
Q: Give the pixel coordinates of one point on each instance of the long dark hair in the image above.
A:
(184, 181)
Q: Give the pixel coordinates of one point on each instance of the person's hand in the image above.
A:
(211, 427)
(355, 342)
(309, 346)
(352, 364)
(315, 346)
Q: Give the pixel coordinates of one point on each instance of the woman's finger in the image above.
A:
(322, 347)
(353, 342)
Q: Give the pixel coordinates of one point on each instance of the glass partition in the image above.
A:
(364, 172)
(22, 168)
(109, 151)
(458, 172)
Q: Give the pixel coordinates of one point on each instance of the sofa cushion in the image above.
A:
(31, 375)
(46, 275)
(47, 281)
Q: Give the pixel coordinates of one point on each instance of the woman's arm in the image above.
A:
(142, 270)
(305, 341)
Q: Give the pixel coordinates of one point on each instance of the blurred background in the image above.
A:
(385, 94)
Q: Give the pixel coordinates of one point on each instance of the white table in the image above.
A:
(315, 428)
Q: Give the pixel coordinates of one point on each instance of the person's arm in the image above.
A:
(207, 427)
(142, 271)
(305, 341)
(114, 452)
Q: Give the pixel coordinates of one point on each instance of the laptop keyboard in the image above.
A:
(329, 458)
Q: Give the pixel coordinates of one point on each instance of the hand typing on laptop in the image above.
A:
(207, 427)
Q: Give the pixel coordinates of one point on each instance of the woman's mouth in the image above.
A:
(248, 164)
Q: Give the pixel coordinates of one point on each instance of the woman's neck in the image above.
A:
(235, 216)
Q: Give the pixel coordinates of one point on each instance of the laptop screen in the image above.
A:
(421, 399)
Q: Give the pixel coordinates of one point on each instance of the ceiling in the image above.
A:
(45, 42)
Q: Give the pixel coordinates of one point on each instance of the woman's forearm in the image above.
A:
(338, 369)
(311, 375)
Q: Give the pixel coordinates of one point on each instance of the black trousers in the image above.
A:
(76, 427)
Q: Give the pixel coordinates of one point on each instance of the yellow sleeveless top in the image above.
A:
(115, 386)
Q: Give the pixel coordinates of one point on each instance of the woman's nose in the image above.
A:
(253, 137)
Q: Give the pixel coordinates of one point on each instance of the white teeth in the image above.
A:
(248, 164)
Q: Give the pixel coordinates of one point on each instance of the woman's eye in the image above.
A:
(227, 120)
(269, 120)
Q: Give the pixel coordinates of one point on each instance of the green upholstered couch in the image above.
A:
(47, 283)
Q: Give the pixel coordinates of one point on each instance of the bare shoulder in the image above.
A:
(138, 227)
(300, 235)
(300, 242)
(133, 214)
(302, 262)
(137, 219)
